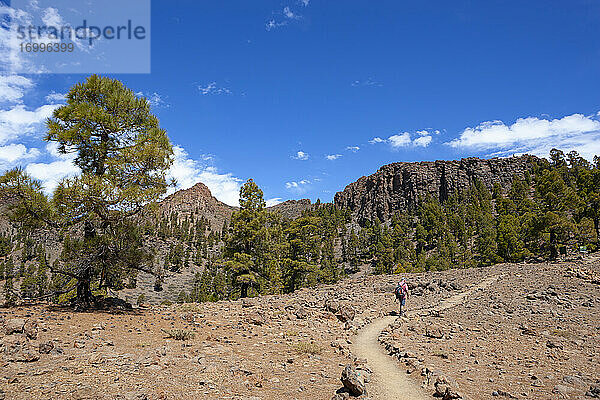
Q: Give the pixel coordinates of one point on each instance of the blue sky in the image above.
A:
(307, 96)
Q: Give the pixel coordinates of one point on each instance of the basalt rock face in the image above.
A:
(398, 187)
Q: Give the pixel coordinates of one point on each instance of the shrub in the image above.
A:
(178, 334)
(308, 348)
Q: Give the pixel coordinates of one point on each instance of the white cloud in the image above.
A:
(422, 141)
(353, 149)
(52, 173)
(13, 87)
(272, 24)
(290, 14)
(400, 140)
(12, 59)
(30, 14)
(154, 99)
(300, 155)
(52, 149)
(368, 82)
(188, 172)
(213, 89)
(285, 17)
(404, 139)
(332, 157)
(376, 140)
(274, 201)
(51, 17)
(535, 136)
(297, 185)
(15, 152)
(18, 121)
(54, 97)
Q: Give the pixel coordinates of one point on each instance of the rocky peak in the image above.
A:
(398, 186)
(198, 201)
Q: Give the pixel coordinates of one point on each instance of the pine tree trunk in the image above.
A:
(553, 249)
(84, 299)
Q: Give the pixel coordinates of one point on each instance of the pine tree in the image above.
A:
(123, 156)
(246, 243)
(352, 251)
(9, 293)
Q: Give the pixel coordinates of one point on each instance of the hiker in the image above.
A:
(401, 292)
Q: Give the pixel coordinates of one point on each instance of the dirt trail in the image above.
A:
(389, 381)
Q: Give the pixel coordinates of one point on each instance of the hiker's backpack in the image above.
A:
(400, 291)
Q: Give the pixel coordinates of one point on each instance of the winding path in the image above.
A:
(388, 380)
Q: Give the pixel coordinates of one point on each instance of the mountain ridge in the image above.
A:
(394, 187)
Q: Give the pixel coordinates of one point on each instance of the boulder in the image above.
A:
(301, 313)
(30, 329)
(434, 332)
(345, 313)
(353, 382)
(256, 318)
(446, 388)
(332, 305)
(563, 391)
(17, 349)
(46, 347)
(575, 381)
(14, 325)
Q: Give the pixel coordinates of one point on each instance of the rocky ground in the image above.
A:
(534, 334)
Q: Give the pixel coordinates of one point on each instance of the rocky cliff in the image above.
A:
(398, 187)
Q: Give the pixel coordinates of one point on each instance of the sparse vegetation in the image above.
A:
(179, 334)
(311, 348)
(290, 333)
